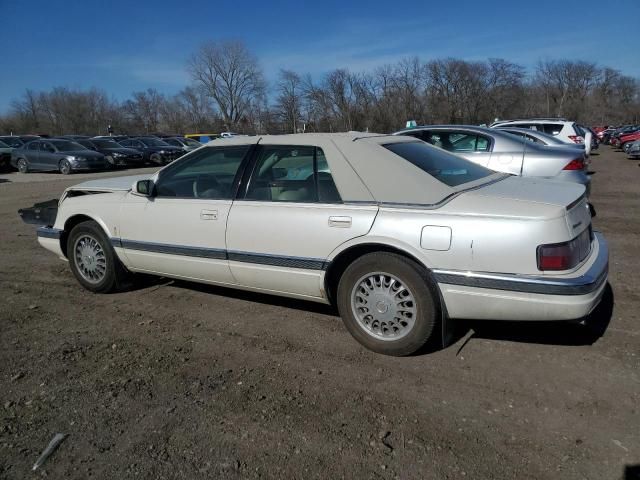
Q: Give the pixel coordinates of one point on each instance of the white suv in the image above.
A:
(561, 128)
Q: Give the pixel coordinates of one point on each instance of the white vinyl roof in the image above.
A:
(363, 170)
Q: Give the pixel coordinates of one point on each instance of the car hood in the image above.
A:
(112, 184)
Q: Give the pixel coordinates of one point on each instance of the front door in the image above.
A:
(180, 231)
(283, 227)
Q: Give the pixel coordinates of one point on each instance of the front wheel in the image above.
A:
(65, 167)
(156, 158)
(388, 303)
(23, 166)
(92, 259)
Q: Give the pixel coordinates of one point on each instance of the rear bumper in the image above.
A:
(491, 296)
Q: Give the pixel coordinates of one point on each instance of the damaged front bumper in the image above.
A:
(43, 213)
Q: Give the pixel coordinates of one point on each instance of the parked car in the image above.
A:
(558, 127)
(590, 138)
(503, 152)
(605, 135)
(5, 154)
(114, 153)
(12, 140)
(64, 156)
(186, 144)
(540, 138)
(447, 238)
(627, 138)
(153, 149)
(202, 137)
(634, 150)
(615, 138)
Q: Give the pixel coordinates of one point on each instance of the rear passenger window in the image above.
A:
(459, 141)
(552, 128)
(34, 146)
(292, 174)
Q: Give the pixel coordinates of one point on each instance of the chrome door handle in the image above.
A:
(208, 214)
(340, 222)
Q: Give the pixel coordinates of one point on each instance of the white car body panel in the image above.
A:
(174, 223)
(313, 232)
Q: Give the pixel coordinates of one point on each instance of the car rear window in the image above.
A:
(445, 167)
(552, 128)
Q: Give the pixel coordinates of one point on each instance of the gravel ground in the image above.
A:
(176, 380)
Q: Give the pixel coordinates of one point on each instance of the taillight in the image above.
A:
(566, 255)
(577, 164)
(576, 138)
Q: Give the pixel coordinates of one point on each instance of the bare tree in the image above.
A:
(289, 99)
(230, 75)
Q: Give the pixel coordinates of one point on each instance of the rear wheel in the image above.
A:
(388, 303)
(65, 167)
(23, 165)
(92, 259)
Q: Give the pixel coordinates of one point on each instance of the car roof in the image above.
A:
(531, 120)
(363, 170)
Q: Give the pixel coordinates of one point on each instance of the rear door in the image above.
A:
(48, 156)
(33, 154)
(288, 220)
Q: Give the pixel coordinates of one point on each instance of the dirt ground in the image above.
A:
(176, 380)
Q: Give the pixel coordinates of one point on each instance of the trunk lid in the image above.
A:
(532, 189)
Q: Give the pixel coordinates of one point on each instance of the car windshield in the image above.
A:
(443, 166)
(3, 145)
(67, 146)
(13, 141)
(105, 144)
(154, 142)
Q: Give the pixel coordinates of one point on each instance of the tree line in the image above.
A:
(229, 92)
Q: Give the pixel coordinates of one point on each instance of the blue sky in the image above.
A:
(124, 46)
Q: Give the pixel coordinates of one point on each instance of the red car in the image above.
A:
(628, 137)
(599, 131)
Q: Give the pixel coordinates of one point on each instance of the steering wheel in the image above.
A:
(203, 183)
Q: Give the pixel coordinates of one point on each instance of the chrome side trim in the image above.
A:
(49, 232)
(186, 251)
(278, 261)
(546, 285)
(221, 254)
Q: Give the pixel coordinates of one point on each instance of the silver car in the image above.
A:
(398, 234)
(502, 152)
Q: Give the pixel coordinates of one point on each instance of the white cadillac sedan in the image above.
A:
(399, 235)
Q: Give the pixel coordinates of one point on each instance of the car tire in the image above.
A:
(111, 161)
(388, 303)
(93, 261)
(22, 165)
(156, 159)
(65, 167)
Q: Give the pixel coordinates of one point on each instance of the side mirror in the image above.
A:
(144, 188)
